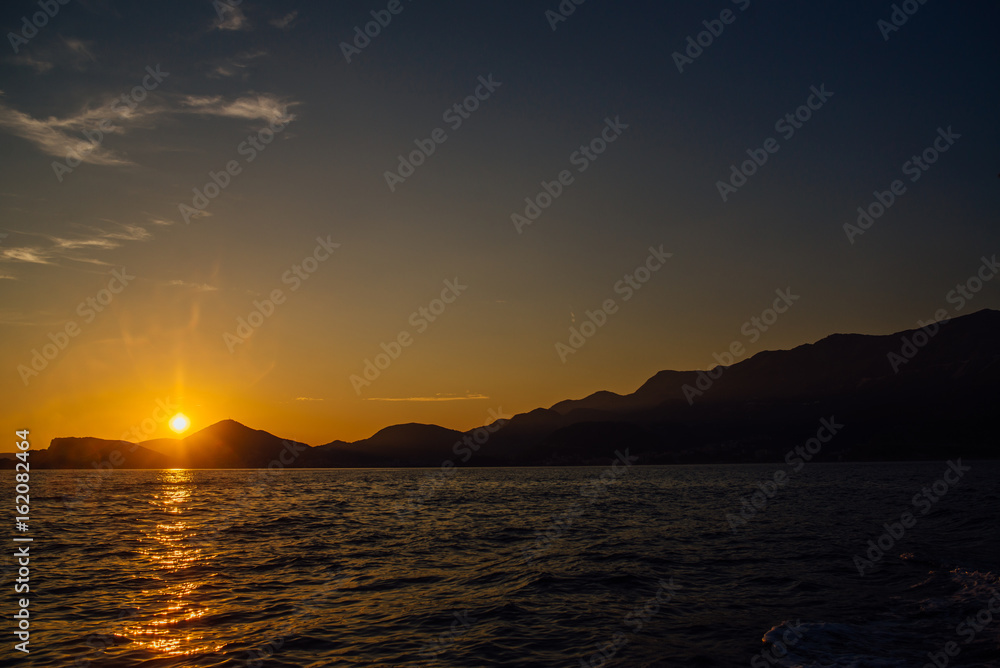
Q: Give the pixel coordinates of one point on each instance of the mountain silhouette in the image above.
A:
(926, 393)
(409, 444)
(225, 444)
(97, 453)
(229, 444)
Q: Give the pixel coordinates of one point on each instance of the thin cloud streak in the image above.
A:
(93, 238)
(470, 397)
(40, 66)
(251, 107)
(61, 137)
(197, 287)
(236, 66)
(286, 21)
(52, 135)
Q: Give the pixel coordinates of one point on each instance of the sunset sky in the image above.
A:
(216, 75)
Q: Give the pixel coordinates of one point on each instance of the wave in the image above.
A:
(906, 635)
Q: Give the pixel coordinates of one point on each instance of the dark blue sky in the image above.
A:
(346, 123)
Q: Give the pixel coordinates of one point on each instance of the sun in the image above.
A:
(179, 423)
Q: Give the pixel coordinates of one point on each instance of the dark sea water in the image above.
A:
(326, 568)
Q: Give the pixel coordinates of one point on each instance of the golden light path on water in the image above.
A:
(166, 553)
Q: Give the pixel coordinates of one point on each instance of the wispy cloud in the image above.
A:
(32, 255)
(237, 66)
(68, 53)
(80, 52)
(251, 107)
(54, 248)
(53, 135)
(40, 66)
(12, 317)
(285, 21)
(231, 17)
(308, 399)
(61, 137)
(197, 213)
(438, 397)
(197, 287)
(76, 244)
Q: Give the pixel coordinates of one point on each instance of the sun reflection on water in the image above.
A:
(170, 623)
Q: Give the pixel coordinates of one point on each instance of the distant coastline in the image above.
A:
(844, 398)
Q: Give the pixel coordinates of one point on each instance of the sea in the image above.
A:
(838, 564)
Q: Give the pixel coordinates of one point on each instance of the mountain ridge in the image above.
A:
(907, 399)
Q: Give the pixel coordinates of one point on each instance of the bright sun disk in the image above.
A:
(179, 423)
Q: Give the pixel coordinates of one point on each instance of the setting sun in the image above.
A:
(179, 423)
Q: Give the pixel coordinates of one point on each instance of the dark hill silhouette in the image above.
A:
(164, 446)
(93, 453)
(410, 444)
(225, 444)
(934, 399)
(838, 365)
(229, 444)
